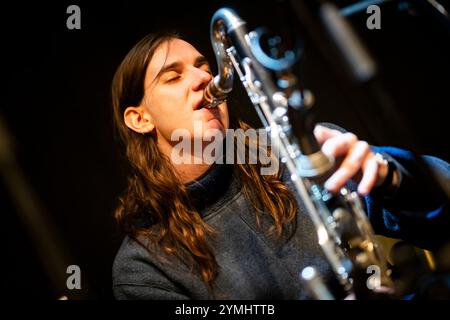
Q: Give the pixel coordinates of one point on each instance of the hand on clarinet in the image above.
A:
(355, 158)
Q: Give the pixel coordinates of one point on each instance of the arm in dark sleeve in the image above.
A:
(412, 211)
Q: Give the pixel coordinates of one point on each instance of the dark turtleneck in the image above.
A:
(214, 187)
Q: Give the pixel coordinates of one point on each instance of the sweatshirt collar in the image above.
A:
(213, 188)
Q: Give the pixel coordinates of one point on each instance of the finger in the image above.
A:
(349, 167)
(323, 133)
(339, 145)
(370, 175)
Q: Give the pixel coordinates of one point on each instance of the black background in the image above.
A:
(57, 110)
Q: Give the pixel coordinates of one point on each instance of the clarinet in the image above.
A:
(343, 230)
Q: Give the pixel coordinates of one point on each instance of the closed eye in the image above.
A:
(171, 76)
(173, 79)
(205, 67)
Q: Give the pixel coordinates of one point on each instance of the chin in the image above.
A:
(214, 124)
(207, 123)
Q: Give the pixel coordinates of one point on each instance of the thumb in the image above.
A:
(322, 133)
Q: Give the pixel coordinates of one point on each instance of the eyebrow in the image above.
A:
(199, 61)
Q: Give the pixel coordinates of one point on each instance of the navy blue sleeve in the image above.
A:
(413, 211)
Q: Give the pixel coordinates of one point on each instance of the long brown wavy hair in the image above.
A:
(152, 180)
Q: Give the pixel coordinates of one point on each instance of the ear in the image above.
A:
(138, 120)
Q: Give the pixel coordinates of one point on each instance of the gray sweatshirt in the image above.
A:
(252, 263)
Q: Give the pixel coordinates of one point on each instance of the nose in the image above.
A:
(201, 79)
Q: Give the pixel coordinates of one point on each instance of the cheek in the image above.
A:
(166, 107)
(171, 121)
